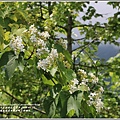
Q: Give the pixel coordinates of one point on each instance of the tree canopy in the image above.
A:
(41, 70)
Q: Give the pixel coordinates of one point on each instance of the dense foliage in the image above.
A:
(38, 68)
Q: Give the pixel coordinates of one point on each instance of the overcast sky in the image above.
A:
(101, 8)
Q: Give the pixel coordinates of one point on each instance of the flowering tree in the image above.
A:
(37, 68)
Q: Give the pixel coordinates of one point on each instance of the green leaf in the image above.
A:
(67, 56)
(53, 71)
(46, 81)
(52, 110)
(60, 49)
(87, 110)
(7, 56)
(7, 36)
(57, 99)
(61, 66)
(13, 17)
(18, 32)
(1, 21)
(10, 67)
(79, 99)
(21, 67)
(22, 13)
(47, 102)
(83, 88)
(1, 34)
(71, 105)
(64, 95)
(62, 70)
(71, 113)
(57, 88)
(66, 74)
(69, 73)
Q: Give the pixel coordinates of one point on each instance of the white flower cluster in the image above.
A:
(44, 34)
(39, 39)
(95, 99)
(63, 43)
(16, 44)
(49, 61)
(41, 51)
(32, 29)
(86, 80)
(93, 77)
(73, 85)
(82, 71)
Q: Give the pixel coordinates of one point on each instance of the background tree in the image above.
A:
(60, 87)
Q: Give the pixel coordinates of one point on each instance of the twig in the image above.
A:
(43, 112)
(72, 39)
(89, 25)
(30, 55)
(12, 96)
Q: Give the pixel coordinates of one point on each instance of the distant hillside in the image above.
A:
(107, 50)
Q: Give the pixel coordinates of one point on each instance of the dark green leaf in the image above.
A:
(47, 103)
(64, 95)
(7, 56)
(1, 34)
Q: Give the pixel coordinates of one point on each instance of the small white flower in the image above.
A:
(93, 94)
(41, 51)
(44, 34)
(16, 44)
(83, 83)
(101, 89)
(99, 105)
(41, 43)
(54, 53)
(90, 102)
(33, 38)
(95, 80)
(91, 75)
(82, 71)
(72, 89)
(75, 81)
(63, 43)
(84, 80)
(32, 29)
(42, 64)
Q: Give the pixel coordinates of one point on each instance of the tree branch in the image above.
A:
(84, 46)
(41, 13)
(12, 96)
(30, 55)
(89, 25)
(62, 27)
(87, 66)
(72, 39)
(49, 8)
(43, 112)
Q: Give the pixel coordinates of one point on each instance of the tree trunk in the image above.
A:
(69, 33)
